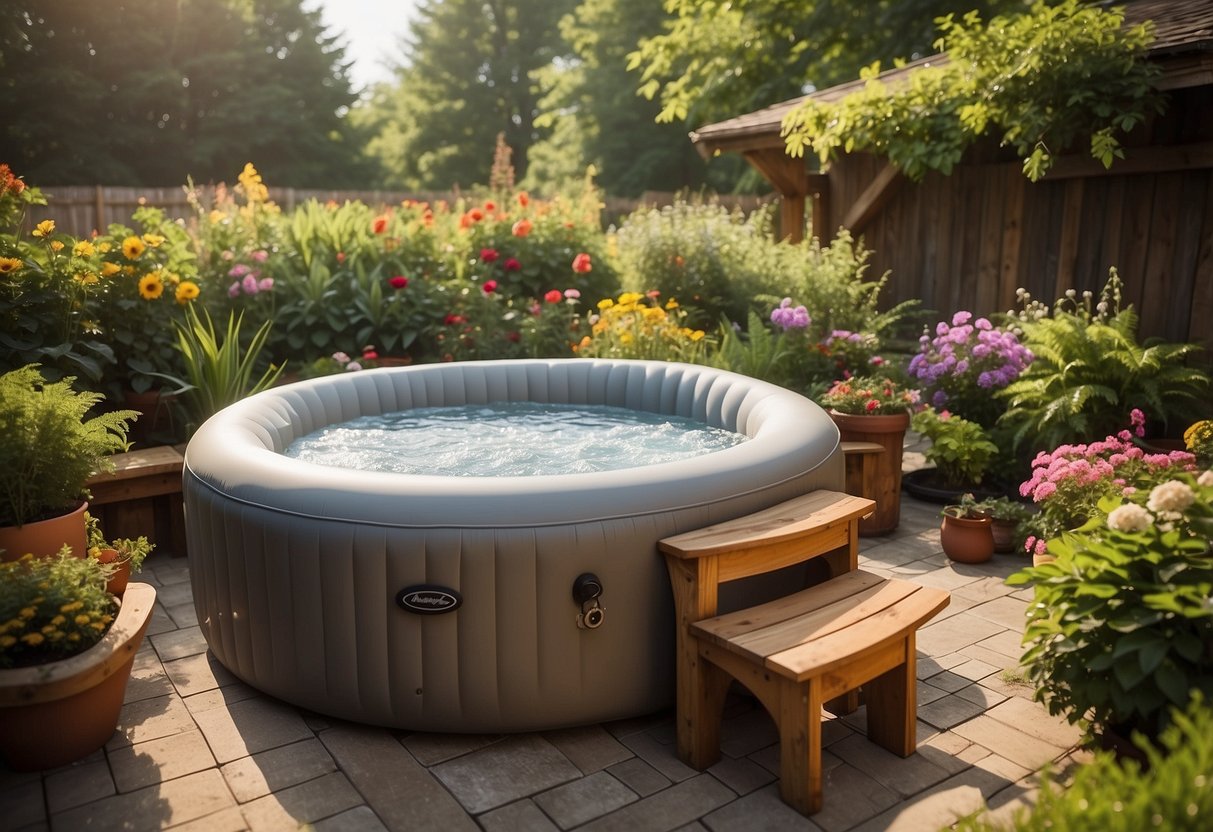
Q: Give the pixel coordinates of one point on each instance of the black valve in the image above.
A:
(586, 591)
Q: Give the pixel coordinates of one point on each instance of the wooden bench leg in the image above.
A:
(892, 699)
(800, 746)
(701, 693)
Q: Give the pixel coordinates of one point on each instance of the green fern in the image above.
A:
(758, 354)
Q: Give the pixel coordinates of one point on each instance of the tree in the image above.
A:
(468, 78)
(592, 103)
(149, 94)
(719, 58)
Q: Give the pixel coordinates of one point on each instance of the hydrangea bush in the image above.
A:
(966, 361)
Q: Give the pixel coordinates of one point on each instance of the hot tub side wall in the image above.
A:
(303, 607)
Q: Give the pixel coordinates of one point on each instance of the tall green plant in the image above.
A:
(48, 446)
(1090, 371)
(218, 372)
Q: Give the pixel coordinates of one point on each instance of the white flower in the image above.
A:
(1205, 479)
(1129, 518)
(1170, 496)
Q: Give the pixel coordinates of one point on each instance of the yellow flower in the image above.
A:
(104, 246)
(86, 278)
(605, 303)
(10, 264)
(84, 249)
(73, 637)
(72, 607)
(82, 618)
(671, 304)
(44, 228)
(150, 287)
(170, 278)
(153, 240)
(697, 335)
(57, 620)
(110, 269)
(7, 641)
(132, 247)
(33, 639)
(56, 245)
(628, 298)
(216, 216)
(250, 180)
(131, 270)
(27, 612)
(187, 290)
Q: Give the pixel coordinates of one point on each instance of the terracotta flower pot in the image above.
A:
(54, 713)
(45, 538)
(1004, 535)
(889, 431)
(967, 539)
(122, 575)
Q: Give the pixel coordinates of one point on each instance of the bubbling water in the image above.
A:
(510, 439)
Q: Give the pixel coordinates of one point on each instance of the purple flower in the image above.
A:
(233, 291)
(786, 317)
(239, 270)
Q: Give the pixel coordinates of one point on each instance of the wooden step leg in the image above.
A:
(800, 746)
(892, 699)
(700, 711)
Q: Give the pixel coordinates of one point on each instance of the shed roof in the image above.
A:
(1183, 46)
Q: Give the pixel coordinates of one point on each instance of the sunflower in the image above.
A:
(187, 290)
(10, 264)
(150, 286)
(132, 247)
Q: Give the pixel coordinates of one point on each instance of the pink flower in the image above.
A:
(1138, 420)
(489, 286)
(233, 291)
(239, 270)
(265, 284)
(260, 255)
(249, 284)
(572, 294)
(511, 265)
(554, 296)
(398, 282)
(489, 255)
(353, 365)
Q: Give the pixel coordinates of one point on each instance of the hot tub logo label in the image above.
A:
(428, 599)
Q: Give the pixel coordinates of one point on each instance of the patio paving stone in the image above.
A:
(306, 803)
(149, 719)
(949, 711)
(198, 673)
(179, 643)
(358, 819)
(758, 812)
(639, 776)
(430, 749)
(175, 593)
(518, 766)
(223, 697)
(904, 775)
(1015, 745)
(662, 757)
(148, 678)
(1009, 612)
(166, 758)
(155, 807)
(402, 793)
(521, 815)
(951, 634)
(288, 765)
(1031, 718)
(678, 805)
(23, 802)
(741, 774)
(250, 726)
(583, 800)
(76, 785)
(975, 670)
(747, 733)
(851, 797)
(591, 748)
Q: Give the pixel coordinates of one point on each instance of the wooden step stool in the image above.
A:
(796, 652)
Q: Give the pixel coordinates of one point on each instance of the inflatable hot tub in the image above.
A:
(446, 603)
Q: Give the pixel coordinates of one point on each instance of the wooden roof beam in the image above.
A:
(873, 198)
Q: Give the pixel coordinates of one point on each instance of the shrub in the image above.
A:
(960, 450)
(1089, 370)
(1173, 791)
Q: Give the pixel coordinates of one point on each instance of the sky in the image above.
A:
(372, 32)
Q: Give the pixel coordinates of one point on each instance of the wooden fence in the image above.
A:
(81, 209)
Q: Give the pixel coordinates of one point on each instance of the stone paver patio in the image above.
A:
(197, 749)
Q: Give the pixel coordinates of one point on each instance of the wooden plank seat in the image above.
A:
(797, 652)
(142, 496)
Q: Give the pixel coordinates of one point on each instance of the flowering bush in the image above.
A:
(640, 326)
(960, 450)
(1199, 440)
(1121, 627)
(1069, 483)
(965, 363)
(52, 608)
(341, 362)
(870, 396)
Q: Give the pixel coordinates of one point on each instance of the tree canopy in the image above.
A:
(149, 93)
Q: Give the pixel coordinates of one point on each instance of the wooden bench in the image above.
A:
(794, 653)
(142, 496)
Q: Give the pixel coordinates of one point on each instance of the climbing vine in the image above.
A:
(1041, 81)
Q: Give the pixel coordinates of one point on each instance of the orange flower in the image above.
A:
(522, 227)
(524, 199)
(187, 290)
(380, 224)
(582, 264)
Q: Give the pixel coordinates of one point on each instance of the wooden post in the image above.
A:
(790, 178)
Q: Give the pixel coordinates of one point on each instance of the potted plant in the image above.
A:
(960, 451)
(66, 650)
(965, 533)
(123, 556)
(48, 450)
(1006, 518)
(872, 409)
(1121, 630)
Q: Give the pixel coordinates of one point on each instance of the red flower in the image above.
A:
(475, 215)
(341, 257)
(489, 286)
(513, 336)
(872, 404)
(380, 224)
(369, 354)
(398, 282)
(581, 263)
(453, 320)
(554, 296)
(524, 199)
(511, 265)
(522, 227)
(489, 255)
(490, 207)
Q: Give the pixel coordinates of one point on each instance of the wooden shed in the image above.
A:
(970, 239)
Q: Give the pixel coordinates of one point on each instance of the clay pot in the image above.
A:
(889, 431)
(54, 713)
(45, 538)
(117, 583)
(1004, 535)
(967, 539)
